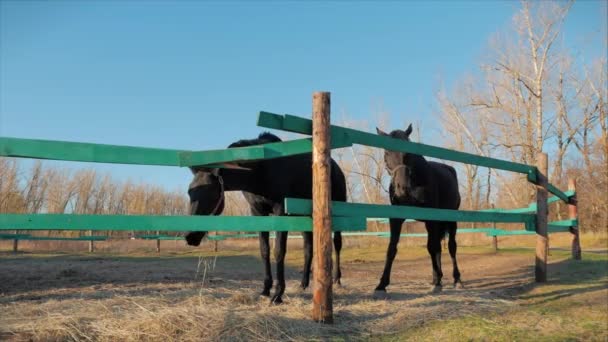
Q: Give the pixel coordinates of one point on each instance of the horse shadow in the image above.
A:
(59, 277)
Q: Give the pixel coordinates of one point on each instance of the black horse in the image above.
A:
(421, 183)
(265, 185)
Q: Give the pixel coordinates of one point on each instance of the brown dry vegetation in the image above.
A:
(199, 296)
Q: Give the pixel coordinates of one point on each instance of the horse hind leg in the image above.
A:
(265, 254)
(452, 247)
(337, 248)
(279, 254)
(307, 260)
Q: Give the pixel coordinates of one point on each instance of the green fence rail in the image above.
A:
(52, 238)
(300, 125)
(101, 153)
(304, 207)
(169, 223)
(348, 216)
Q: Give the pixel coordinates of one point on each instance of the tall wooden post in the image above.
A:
(158, 242)
(16, 243)
(494, 237)
(573, 215)
(91, 246)
(322, 307)
(540, 271)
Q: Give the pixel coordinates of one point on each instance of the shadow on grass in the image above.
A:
(94, 277)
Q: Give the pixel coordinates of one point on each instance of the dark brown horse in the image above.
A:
(265, 184)
(421, 183)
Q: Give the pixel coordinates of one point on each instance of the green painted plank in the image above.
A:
(304, 207)
(251, 153)
(169, 223)
(557, 228)
(101, 153)
(13, 236)
(159, 237)
(510, 232)
(558, 193)
(86, 152)
(194, 158)
(531, 207)
(564, 223)
(304, 126)
(384, 220)
(59, 238)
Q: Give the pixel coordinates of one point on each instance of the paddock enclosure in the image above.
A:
(172, 279)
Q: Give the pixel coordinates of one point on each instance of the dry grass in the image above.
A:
(183, 297)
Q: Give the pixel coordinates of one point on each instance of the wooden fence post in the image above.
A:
(322, 307)
(540, 271)
(16, 243)
(494, 237)
(573, 215)
(91, 246)
(158, 242)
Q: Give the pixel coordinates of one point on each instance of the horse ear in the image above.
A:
(408, 131)
(380, 132)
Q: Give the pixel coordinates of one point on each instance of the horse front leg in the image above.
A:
(279, 254)
(433, 246)
(307, 260)
(390, 254)
(265, 254)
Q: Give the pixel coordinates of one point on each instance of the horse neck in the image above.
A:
(239, 180)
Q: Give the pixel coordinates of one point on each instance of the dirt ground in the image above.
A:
(214, 297)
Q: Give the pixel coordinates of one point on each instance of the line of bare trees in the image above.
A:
(533, 94)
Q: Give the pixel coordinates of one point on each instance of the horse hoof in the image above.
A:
(338, 283)
(380, 294)
(458, 285)
(436, 288)
(302, 288)
(276, 300)
(265, 293)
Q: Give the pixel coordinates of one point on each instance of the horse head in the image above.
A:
(401, 166)
(206, 192)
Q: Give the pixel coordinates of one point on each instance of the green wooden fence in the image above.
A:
(347, 216)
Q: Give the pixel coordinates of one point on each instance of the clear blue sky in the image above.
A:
(193, 75)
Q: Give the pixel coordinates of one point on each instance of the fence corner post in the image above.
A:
(322, 306)
(540, 270)
(573, 215)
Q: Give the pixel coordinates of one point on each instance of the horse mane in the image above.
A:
(263, 138)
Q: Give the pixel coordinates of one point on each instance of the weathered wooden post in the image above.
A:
(158, 242)
(540, 271)
(91, 246)
(494, 237)
(16, 243)
(322, 307)
(573, 215)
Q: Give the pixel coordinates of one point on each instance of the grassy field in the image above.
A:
(200, 295)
